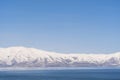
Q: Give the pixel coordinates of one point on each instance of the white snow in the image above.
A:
(30, 57)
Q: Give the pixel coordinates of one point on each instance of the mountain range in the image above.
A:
(31, 57)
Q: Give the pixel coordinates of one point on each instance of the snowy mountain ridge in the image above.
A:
(31, 57)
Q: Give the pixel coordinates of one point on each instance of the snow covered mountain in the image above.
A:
(30, 57)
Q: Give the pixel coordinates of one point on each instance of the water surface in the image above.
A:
(61, 74)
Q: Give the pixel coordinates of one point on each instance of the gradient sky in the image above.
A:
(85, 26)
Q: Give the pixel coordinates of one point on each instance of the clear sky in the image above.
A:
(85, 26)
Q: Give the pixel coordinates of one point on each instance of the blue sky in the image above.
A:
(85, 26)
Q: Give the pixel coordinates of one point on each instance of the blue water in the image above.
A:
(65, 74)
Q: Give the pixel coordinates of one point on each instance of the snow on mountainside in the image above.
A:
(30, 57)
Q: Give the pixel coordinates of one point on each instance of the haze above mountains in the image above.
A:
(31, 57)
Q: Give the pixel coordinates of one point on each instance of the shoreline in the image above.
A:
(55, 68)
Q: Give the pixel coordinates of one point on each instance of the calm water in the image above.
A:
(65, 74)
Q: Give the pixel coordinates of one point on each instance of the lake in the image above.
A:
(61, 74)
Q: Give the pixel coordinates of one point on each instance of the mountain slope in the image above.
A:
(30, 57)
